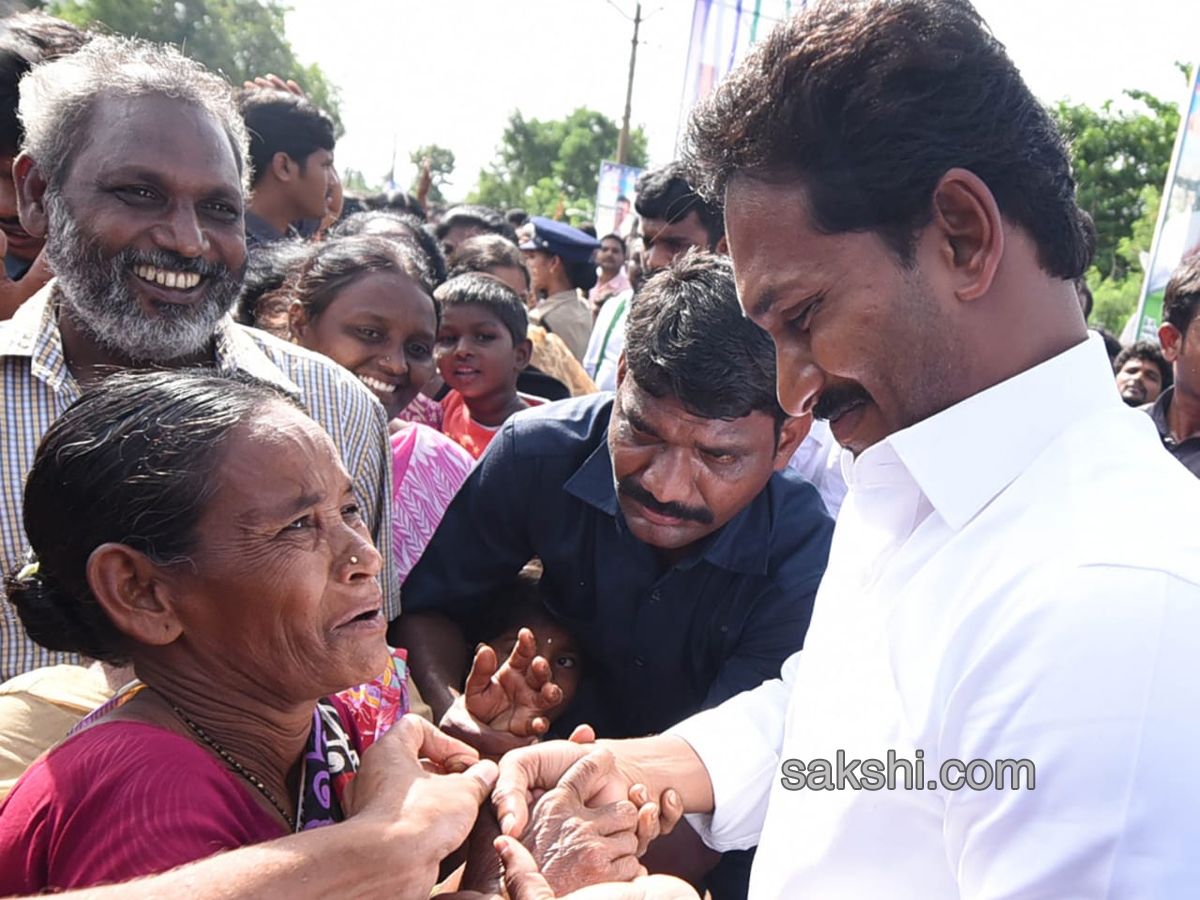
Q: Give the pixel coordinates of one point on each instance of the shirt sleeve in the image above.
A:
(1110, 809)
(742, 771)
(483, 539)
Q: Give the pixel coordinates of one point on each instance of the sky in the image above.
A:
(450, 72)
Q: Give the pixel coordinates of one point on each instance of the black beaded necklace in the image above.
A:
(233, 763)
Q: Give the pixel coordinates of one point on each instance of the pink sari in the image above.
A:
(427, 470)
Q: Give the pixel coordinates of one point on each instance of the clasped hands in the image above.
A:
(574, 823)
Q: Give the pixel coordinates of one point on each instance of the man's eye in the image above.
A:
(485, 338)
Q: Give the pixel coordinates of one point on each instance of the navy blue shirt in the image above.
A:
(661, 644)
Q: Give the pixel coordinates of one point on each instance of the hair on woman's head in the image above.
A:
(134, 461)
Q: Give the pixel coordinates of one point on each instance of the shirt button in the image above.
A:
(655, 596)
(639, 662)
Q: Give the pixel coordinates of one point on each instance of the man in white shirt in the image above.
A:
(901, 215)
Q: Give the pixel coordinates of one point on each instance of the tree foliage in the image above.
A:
(547, 167)
(441, 167)
(1116, 154)
(238, 38)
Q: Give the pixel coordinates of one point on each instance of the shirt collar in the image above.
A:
(1158, 412)
(964, 456)
(236, 351)
(33, 332)
(741, 545)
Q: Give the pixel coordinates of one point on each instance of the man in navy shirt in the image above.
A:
(674, 542)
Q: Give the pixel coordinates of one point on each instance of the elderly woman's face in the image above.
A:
(284, 594)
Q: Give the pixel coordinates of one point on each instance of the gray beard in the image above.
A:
(94, 290)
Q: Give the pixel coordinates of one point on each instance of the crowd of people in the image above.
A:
(354, 545)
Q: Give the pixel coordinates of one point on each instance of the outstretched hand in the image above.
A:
(502, 706)
(274, 82)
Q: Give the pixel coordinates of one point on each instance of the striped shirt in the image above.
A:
(36, 387)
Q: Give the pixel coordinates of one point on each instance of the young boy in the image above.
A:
(482, 346)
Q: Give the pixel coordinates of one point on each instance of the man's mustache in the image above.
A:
(838, 399)
(168, 259)
(630, 487)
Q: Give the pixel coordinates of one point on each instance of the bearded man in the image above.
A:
(134, 169)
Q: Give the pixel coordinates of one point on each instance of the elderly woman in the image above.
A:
(205, 530)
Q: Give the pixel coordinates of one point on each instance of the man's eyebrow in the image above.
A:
(730, 450)
(640, 424)
(763, 304)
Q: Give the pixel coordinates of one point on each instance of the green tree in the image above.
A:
(238, 38)
(1116, 297)
(546, 167)
(1115, 155)
(441, 167)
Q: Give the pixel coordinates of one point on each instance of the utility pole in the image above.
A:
(623, 140)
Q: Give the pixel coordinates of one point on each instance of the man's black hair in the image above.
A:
(1183, 294)
(279, 121)
(27, 39)
(868, 103)
(667, 194)
(473, 216)
(687, 338)
(1147, 351)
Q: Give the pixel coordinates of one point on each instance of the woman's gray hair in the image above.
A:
(57, 97)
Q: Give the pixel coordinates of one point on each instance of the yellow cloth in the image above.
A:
(38, 708)
(552, 356)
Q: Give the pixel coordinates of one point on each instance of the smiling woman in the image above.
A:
(366, 302)
(205, 530)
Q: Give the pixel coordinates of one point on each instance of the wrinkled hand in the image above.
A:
(427, 783)
(275, 83)
(528, 772)
(524, 882)
(14, 293)
(576, 843)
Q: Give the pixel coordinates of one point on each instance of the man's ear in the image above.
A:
(283, 167)
(522, 353)
(971, 231)
(298, 320)
(134, 593)
(791, 433)
(722, 248)
(1171, 339)
(620, 369)
(31, 194)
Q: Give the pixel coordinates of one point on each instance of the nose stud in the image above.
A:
(354, 560)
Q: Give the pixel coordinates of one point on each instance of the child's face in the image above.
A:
(475, 352)
(381, 327)
(559, 648)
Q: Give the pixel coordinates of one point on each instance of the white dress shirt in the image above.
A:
(607, 341)
(1017, 577)
(819, 460)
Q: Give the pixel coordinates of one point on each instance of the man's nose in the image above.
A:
(798, 379)
(659, 257)
(668, 476)
(182, 232)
